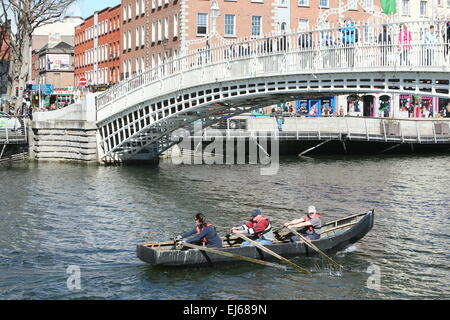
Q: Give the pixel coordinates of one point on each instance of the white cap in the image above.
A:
(311, 209)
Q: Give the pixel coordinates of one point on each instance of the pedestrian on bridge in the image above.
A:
(404, 44)
(349, 39)
(446, 37)
(430, 46)
(385, 41)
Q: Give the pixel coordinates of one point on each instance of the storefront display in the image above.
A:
(417, 106)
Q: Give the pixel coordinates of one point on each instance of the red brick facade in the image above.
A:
(98, 48)
(146, 32)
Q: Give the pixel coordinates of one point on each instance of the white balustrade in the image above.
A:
(297, 52)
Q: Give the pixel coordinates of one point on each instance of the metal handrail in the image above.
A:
(289, 48)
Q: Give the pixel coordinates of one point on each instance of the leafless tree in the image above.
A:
(26, 16)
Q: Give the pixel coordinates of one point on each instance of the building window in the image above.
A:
(423, 8)
(138, 31)
(153, 31)
(159, 30)
(175, 25)
(324, 4)
(137, 8)
(129, 39)
(303, 3)
(143, 36)
(142, 64)
(125, 40)
(130, 10)
(368, 5)
(153, 4)
(143, 7)
(202, 23)
(124, 14)
(303, 24)
(256, 26)
(166, 28)
(283, 27)
(230, 25)
(352, 4)
(405, 7)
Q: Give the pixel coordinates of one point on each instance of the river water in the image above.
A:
(55, 215)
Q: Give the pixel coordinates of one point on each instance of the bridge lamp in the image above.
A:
(215, 13)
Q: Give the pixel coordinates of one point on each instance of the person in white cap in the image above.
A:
(310, 225)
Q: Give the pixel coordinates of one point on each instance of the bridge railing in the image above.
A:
(358, 46)
(342, 128)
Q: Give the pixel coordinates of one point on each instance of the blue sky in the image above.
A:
(85, 8)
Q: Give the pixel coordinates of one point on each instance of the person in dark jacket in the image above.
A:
(446, 37)
(385, 41)
(205, 234)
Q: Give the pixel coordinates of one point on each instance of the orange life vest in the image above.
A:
(203, 240)
(311, 228)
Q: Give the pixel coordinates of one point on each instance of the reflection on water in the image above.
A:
(56, 215)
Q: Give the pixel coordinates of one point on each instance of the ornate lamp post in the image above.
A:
(215, 13)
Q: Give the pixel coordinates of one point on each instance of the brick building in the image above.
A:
(54, 65)
(151, 31)
(98, 48)
(154, 30)
(4, 57)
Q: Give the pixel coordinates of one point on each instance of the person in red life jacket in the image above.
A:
(205, 234)
(258, 228)
(310, 225)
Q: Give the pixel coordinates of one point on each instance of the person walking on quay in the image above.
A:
(258, 228)
(404, 44)
(385, 42)
(206, 234)
(349, 40)
(311, 225)
(430, 46)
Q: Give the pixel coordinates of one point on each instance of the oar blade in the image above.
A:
(256, 244)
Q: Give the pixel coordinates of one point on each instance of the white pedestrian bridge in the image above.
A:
(137, 116)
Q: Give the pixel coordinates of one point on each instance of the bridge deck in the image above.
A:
(421, 131)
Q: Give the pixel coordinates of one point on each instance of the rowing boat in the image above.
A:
(336, 235)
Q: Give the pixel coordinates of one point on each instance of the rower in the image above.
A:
(258, 228)
(310, 225)
(206, 234)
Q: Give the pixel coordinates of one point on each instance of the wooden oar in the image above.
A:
(313, 246)
(236, 256)
(257, 244)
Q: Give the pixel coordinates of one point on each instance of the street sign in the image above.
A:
(43, 88)
(83, 82)
(46, 88)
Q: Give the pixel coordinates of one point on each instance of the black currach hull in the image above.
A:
(337, 235)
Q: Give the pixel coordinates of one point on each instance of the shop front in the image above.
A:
(316, 107)
(411, 106)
